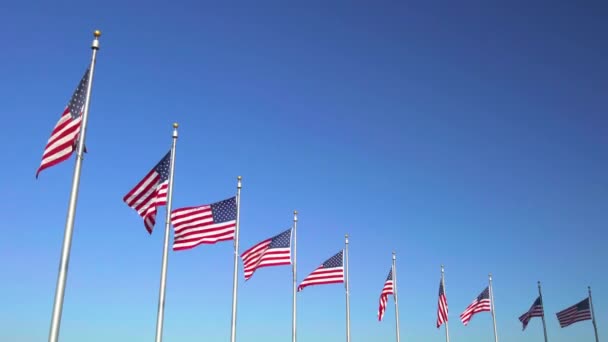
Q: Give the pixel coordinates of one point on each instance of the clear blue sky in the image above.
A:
(468, 134)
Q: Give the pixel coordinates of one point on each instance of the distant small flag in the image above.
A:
(576, 313)
(330, 272)
(386, 290)
(442, 306)
(205, 224)
(64, 136)
(480, 304)
(275, 251)
(151, 192)
(536, 310)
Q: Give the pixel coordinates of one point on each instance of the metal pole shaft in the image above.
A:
(236, 261)
(447, 329)
(543, 316)
(597, 339)
(346, 287)
(293, 313)
(395, 296)
(69, 224)
(493, 310)
(163, 271)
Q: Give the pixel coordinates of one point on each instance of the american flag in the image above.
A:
(386, 290)
(64, 136)
(330, 272)
(209, 223)
(536, 310)
(275, 251)
(442, 306)
(150, 192)
(480, 304)
(576, 313)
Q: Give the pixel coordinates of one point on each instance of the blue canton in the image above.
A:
(224, 211)
(390, 275)
(282, 240)
(162, 168)
(76, 104)
(335, 261)
(485, 294)
(583, 305)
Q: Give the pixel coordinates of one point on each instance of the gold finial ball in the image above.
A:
(239, 177)
(175, 125)
(97, 33)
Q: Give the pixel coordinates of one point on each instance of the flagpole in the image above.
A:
(447, 329)
(347, 286)
(492, 305)
(163, 271)
(543, 316)
(597, 339)
(236, 260)
(293, 313)
(69, 224)
(395, 295)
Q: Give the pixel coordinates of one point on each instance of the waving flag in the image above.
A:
(330, 272)
(442, 306)
(536, 310)
(275, 251)
(150, 192)
(480, 304)
(64, 136)
(209, 223)
(578, 312)
(386, 290)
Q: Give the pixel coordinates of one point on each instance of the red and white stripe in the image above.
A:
(261, 256)
(194, 226)
(146, 196)
(386, 291)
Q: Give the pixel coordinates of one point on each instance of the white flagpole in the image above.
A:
(163, 272)
(492, 306)
(346, 287)
(543, 316)
(395, 295)
(447, 329)
(236, 260)
(597, 339)
(69, 224)
(294, 264)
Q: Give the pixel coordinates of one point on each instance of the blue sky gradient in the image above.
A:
(467, 134)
